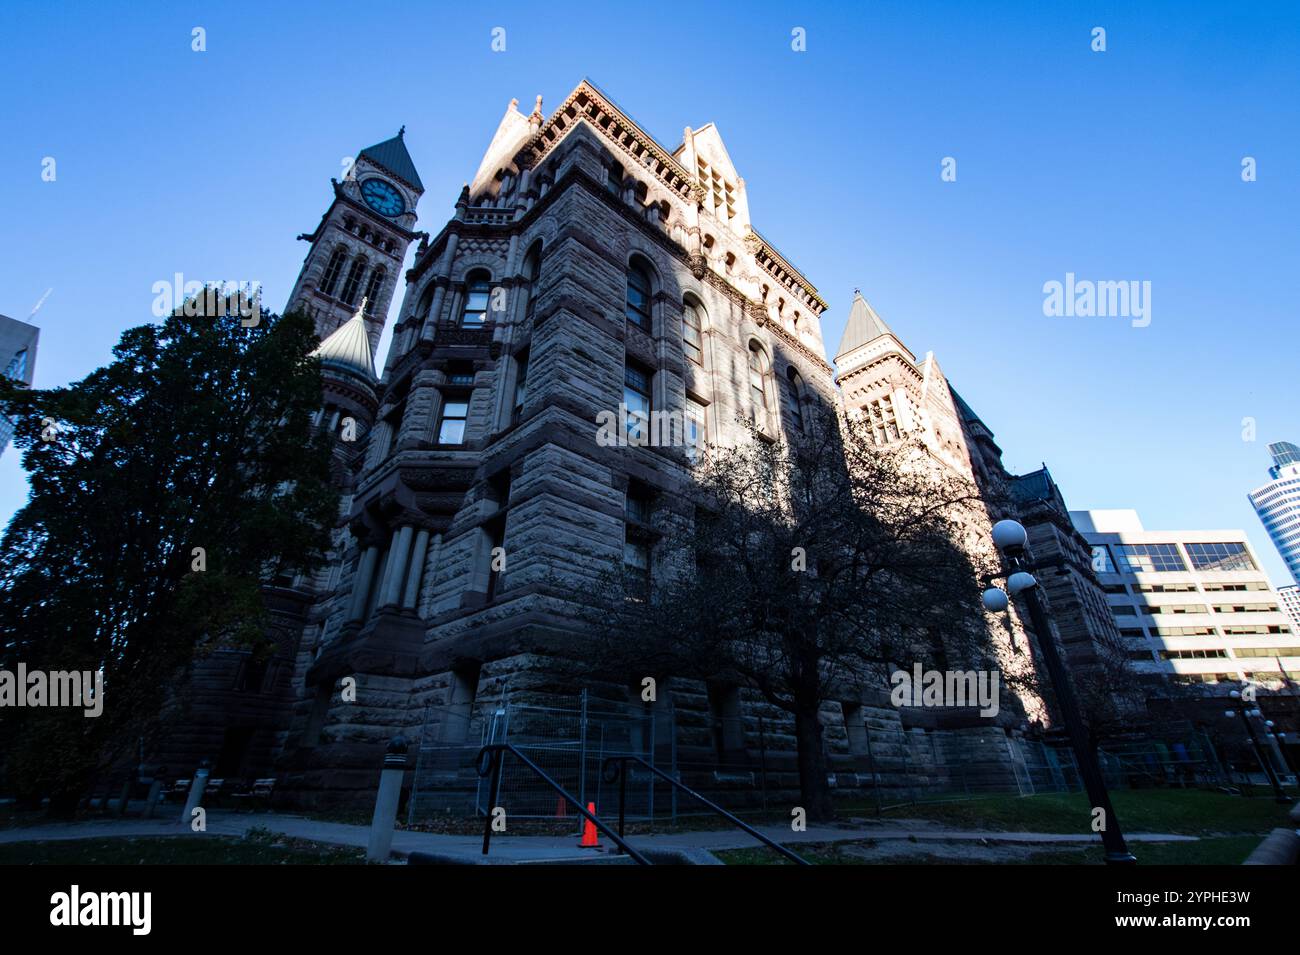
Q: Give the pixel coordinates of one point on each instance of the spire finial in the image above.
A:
(361, 311)
(401, 133)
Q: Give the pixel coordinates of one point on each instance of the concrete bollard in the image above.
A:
(155, 793)
(390, 792)
(125, 798)
(194, 798)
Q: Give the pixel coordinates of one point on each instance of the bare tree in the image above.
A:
(808, 570)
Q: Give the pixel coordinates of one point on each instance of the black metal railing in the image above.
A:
(619, 766)
(489, 762)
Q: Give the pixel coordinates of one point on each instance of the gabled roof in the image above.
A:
(864, 325)
(391, 154)
(347, 348)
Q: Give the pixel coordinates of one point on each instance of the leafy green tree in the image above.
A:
(166, 488)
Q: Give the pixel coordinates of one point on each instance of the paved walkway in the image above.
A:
(541, 848)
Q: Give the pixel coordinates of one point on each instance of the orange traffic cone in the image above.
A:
(590, 840)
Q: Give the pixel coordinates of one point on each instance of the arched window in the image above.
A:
(376, 282)
(796, 399)
(478, 287)
(638, 296)
(333, 270)
(757, 384)
(353, 283)
(692, 329)
(532, 271)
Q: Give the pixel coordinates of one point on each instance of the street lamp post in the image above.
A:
(1010, 539)
(1242, 710)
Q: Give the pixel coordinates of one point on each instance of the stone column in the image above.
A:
(395, 573)
(361, 585)
(435, 309)
(411, 593)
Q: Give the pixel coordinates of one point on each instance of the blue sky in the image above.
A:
(1122, 165)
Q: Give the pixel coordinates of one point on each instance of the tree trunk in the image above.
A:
(814, 792)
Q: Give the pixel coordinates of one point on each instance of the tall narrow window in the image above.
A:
(692, 325)
(353, 283)
(532, 271)
(477, 291)
(638, 296)
(451, 425)
(521, 387)
(636, 397)
(697, 434)
(333, 270)
(636, 542)
(375, 283)
(757, 385)
(796, 400)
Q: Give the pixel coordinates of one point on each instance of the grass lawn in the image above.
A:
(259, 848)
(1223, 850)
(1181, 811)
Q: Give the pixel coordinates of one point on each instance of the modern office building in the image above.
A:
(1290, 597)
(1278, 504)
(17, 361)
(1191, 606)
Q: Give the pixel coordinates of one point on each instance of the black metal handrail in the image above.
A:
(489, 761)
(618, 763)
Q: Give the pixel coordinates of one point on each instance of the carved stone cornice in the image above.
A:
(587, 102)
(776, 265)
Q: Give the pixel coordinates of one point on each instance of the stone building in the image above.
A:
(882, 380)
(900, 398)
(587, 271)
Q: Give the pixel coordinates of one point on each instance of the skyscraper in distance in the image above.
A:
(1278, 504)
(17, 361)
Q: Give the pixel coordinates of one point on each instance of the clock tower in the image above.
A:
(358, 248)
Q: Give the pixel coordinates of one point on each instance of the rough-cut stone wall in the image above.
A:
(539, 485)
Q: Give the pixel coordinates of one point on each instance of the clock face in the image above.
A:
(383, 198)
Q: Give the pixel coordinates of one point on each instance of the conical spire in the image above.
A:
(347, 348)
(392, 155)
(864, 325)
